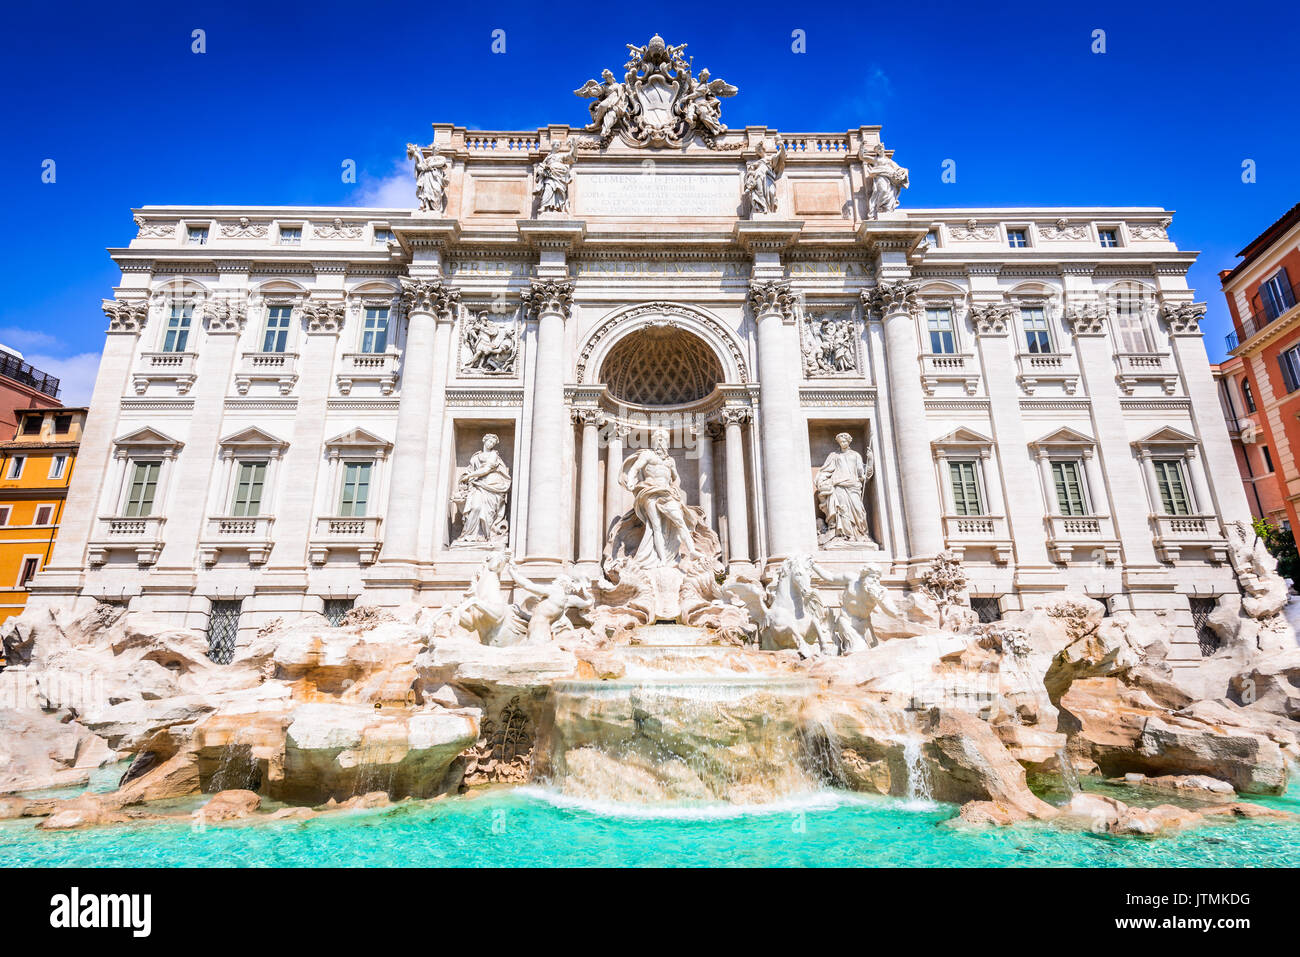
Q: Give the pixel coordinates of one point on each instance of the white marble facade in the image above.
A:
(1027, 387)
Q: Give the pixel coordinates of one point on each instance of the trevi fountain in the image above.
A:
(871, 643)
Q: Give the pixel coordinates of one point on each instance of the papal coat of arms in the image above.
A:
(660, 101)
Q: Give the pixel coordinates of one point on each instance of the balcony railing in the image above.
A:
(244, 532)
(1091, 536)
(11, 367)
(341, 531)
(378, 367)
(983, 531)
(278, 367)
(1174, 533)
(1036, 367)
(141, 534)
(175, 367)
(939, 367)
(1262, 313)
(1135, 367)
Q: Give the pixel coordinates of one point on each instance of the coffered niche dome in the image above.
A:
(661, 365)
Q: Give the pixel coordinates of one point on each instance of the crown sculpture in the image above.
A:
(660, 102)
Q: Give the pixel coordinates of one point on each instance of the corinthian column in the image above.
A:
(787, 509)
(549, 300)
(896, 302)
(427, 304)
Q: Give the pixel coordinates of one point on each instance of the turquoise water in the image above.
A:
(531, 827)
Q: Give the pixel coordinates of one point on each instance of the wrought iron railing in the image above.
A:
(1263, 312)
(11, 367)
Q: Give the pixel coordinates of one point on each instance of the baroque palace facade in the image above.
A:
(301, 407)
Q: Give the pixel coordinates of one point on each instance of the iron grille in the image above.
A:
(1202, 608)
(988, 609)
(223, 629)
(336, 608)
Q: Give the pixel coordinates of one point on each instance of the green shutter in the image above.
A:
(965, 490)
(1173, 493)
(248, 490)
(356, 489)
(1069, 489)
(144, 484)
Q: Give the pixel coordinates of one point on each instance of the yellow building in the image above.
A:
(35, 468)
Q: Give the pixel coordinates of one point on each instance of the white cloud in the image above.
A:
(76, 375)
(22, 339)
(394, 191)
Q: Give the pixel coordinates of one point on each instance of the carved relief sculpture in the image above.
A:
(659, 102)
(552, 176)
(480, 497)
(839, 486)
(490, 345)
(829, 345)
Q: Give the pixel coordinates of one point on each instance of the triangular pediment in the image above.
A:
(358, 438)
(149, 436)
(253, 436)
(1065, 436)
(1167, 436)
(963, 436)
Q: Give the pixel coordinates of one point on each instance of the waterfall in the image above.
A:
(1069, 776)
(918, 772)
(237, 767)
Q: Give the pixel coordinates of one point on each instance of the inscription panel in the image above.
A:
(657, 194)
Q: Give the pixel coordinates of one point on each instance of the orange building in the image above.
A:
(22, 386)
(1262, 292)
(35, 468)
(1256, 462)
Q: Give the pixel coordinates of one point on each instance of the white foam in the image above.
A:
(822, 800)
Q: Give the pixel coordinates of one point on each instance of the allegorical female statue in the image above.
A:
(481, 494)
(430, 178)
(885, 180)
(553, 175)
(840, 484)
(760, 180)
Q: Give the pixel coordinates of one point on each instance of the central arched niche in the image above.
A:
(661, 365)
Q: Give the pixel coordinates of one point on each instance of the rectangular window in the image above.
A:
(4, 514)
(290, 235)
(144, 486)
(62, 424)
(1173, 491)
(942, 337)
(196, 235)
(277, 329)
(1017, 238)
(965, 489)
(1131, 327)
(32, 424)
(1268, 459)
(1069, 488)
(1290, 363)
(1276, 294)
(383, 236)
(44, 515)
(58, 465)
(374, 331)
(223, 630)
(16, 466)
(1248, 394)
(1109, 238)
(1036, 335)
(356, 489)
(336, 608)
(30, 567)
(248, 489)
(178, 327)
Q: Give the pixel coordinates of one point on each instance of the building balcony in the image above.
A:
(939, 367)
(1077, 537)
(1263, 312)
(378, 367)
(1135, 367)
(1038, 367)
(250, 533)
(965, 532)
(346, 532)
(1175, 534)
(175, 367)
(15, 369)
(278, 367)
(142, 535)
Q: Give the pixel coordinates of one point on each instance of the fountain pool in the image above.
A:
(531, 826)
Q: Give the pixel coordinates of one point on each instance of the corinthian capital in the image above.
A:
(323, 317)
(126, 316)
(225, 313)
(549, 296)
(891, 297)
(771, 298)
(992, 319)
(429, 295)
(1086, 318)
(1184, 318)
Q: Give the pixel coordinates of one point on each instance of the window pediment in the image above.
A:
(358, 441)
(252, 438)
(1064, 437)
(147, 439)
(962, 440)
(1168, 437)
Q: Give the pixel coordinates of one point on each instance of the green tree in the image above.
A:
(1280, 543)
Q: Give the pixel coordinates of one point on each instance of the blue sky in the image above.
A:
(287, 91)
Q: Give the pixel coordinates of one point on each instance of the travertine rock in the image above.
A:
(227, 806)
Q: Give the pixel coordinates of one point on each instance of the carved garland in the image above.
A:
(602, 331)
